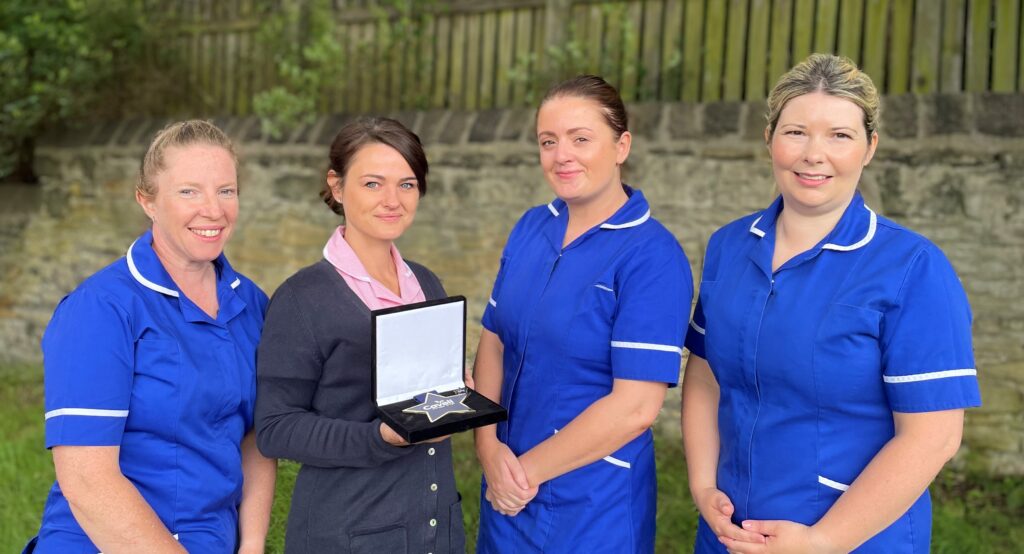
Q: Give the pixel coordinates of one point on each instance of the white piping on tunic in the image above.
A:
(142, 280)
(832, 484)
(492, 302)
(696, 327)
(892, 379)
(634, 223)
(647, 346)
(754, 229)
(552, 209)
(91, 412)
(602, 287)
(872, 224)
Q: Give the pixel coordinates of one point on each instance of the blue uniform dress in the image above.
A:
(131, 362)
(813, 359)
(610, 305)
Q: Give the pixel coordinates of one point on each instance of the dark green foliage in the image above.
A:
(57, 58)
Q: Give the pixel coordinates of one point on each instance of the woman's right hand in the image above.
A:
(716, 509)
(508, 490)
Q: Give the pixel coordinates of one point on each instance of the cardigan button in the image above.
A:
(433, 523)
(431, 451)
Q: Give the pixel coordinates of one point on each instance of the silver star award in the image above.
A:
(435, 406)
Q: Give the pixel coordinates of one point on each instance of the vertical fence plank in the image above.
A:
(803, 29)
(371, 70)
(899, 46)
(927, 33)
(474, 23)
(781, 35)
(757, 49)
(1020, 54)
(693, 44)
(650, 37)
(631, 60)
(489, 37)
(456, 91)
(595, 38)
(735, 49)
(1004, 46)
(825, 26)
(612, 62)
(978, 37)
(506, 57)
(714, 51)
(875, 38)
(851, 29)
(442, 60)
(952, 69)
(523, 64)
(671, 50)
(420, 96)
(394, 48)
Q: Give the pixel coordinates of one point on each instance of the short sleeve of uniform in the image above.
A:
(88, 360)
(654, 298)
(488, 318)
(927, 357)
(695, 332)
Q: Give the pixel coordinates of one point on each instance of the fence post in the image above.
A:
(557, 14)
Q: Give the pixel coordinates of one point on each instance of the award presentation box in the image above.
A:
(418, 361)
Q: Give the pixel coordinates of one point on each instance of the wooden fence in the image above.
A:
(412, 54)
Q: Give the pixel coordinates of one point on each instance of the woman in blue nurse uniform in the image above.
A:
(831, 355)
(150, 376)
(582, 336)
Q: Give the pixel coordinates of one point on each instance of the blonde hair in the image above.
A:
(181, 133)
(833, 75)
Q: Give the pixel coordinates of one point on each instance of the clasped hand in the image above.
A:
(757, 536)
(508, 489)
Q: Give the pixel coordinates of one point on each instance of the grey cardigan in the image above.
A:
(354, 493)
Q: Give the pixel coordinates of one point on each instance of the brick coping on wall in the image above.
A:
(906, 116)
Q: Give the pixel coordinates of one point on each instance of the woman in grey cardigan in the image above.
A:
(361, 488)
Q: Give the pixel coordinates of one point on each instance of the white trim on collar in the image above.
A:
(634, 223)
(142, 280)
(551, 208)
(754, 229)
(235, 283)
(872, 225)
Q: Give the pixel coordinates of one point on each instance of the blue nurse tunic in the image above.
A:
(131, 362)
(610, 305)
(813, 359)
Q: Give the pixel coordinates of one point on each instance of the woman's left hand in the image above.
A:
(781, 537)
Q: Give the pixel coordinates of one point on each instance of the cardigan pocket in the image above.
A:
(389, 539)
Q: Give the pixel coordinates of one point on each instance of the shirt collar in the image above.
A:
(855, 228)
(149, 271)
(339, 253)
(634, 212)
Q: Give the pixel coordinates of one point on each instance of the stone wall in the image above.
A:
(949, 166)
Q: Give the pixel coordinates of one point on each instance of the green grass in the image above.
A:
(974, 513)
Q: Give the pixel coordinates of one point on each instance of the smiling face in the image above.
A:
(195, 205)
(579, 152)
(819, 149)
(379, 192)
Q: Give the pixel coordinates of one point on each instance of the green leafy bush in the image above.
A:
(57, 58)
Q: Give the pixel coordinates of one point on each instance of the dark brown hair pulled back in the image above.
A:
(374, 130)
(597, 89)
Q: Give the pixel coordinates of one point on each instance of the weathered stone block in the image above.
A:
(518, 122)
(645, 120)
(332, 124)
(946, 114)
(899, 116)
(722, 118)
(432, 124)
(486, 126)
(455, 128)
(999, 114)
(684, 120)
(754, 122)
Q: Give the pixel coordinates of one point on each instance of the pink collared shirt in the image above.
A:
(374, 294)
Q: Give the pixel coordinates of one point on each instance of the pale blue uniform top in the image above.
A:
(130, 361)
(613, 304)
(813, 359)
